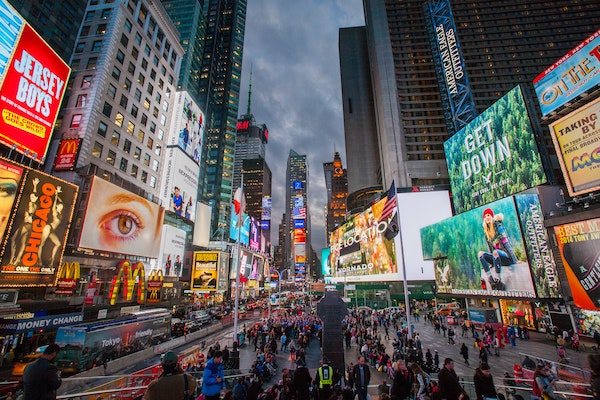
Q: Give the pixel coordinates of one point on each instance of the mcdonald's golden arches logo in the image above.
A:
(126, 278)
(66, 156)
(67, 278)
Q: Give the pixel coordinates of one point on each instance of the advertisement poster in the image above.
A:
(66, 156)
(180, 183)
(254, 234)
(480, 252)
(119, 221)
(35, 240)
(205, 270)
(245, 260)
(223, 275)
(579, 245)
(576, 72)
(187, 127)
(240, 233)
(32, 86)
(539, 249)
(172, 249)
(495, 155)
(10, 180)
(576, 139)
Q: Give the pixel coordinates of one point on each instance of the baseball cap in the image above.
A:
(169, 359)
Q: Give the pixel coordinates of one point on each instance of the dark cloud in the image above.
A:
(292, 47)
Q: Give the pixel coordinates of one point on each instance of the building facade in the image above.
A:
(336, 183)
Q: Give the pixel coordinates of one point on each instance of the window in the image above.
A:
(110, 158)
(101, 30)
(161, 83)
(153, 74)
(155, 165)
(144, 176)
(91, 63)
(128, 25)
(79, 48)
(75, 121)
(150, 143)
(131, 68)
(119, 120)
(152, 127)
(81, 100)
(163, 70)
(155, 60)
(114, 139)
(107, 109)
(127, 146)
(105, 13)
(97, 150)
(96, 46)
(102, 127)
(86, 81)
(163, 119)
(161, 134)
(150, 88)
(123, 102)
(158, 150)
(137, 153)
(138, 39)
(112, 91)
(89, 16)
(165, 106)
(141, 79)
(147, 160)
(124, 40)
(144, 64)
(170, 79)
(138, 95)
(130, 128)
(144, 119)
(134, 110)
(85, 30)
(153, 181)
(147, 103)
(147, 50)
(155, 112)
(75, 64)
(116, 73)
(140, 136)
(127, 85)
(134, 171)
(135, 52)
(158, 97)
(123, 165)
(120, 57)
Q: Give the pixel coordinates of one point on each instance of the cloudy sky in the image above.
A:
(292, 47)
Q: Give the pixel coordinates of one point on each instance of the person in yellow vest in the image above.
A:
(324, 380)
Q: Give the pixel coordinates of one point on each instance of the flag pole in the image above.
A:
(236, 308)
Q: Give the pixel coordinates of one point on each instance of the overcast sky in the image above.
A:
(292, 47)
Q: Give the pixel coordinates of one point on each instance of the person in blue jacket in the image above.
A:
(213, 379)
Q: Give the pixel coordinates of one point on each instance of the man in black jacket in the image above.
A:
(448, 383)
(42, 378)
(361, 375)
(301, 381)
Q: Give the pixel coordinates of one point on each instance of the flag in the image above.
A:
(239, 206)
(390, 204)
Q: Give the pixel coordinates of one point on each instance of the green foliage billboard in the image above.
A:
(495, 155)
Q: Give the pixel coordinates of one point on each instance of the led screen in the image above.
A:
(179, 186)
(187, 126)
(495, 155)
(205, 270)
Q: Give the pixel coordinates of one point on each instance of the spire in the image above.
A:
(249, 92)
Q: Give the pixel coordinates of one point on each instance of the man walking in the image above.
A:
(448, 382)
(42, 377)
(361, 375)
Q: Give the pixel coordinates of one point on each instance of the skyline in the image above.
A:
(292, 49)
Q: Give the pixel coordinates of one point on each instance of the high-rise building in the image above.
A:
(120, 100)
(503, 43)
(219, 88)
(297, 235)
(336, 183)
(56, 21)
(250, 143)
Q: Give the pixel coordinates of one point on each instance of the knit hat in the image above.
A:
(488, 211)
(484, 367)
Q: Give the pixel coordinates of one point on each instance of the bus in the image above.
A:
(88, 345)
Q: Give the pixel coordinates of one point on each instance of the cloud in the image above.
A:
(292, 47)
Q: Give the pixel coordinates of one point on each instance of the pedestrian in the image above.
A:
(240, 391)
(324, 380)
(284, 343)
(449, 385)
(383, 388)
(594, 362)
(401, 385)
(464, 351)
(213, 379)
(173, 383)
(301, 381)
(543, 383)
(436, 359)
(484, 383)
(419, 382)
(41, 378)
(361, 375)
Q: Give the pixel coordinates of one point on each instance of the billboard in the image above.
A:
(119, 221)
(10, 180)
(480, 252)
(267, 206)
(576, 139)
(202, 225)
(223, 273)
(205, 270)
(254, 240)
(187, 126)
(495, 155)
(243, 231)
(36, 235)
(32, 80)
(325, 261)
(172, 248)
(579, 246)
(570, 76)
(179, 187)
(244, 260)
(66, 156)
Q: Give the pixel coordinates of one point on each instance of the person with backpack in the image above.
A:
(173, 383)
(420, 383)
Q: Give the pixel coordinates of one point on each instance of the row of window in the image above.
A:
(111, 157)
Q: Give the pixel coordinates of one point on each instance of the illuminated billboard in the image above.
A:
(495, 155)
(267, 205)
(480, 252)
(179, 186)
(325, 261)
(32, 80)
(187, 126)
(10, 180)
(119, 221)
(254, 240)
(576, 139)
(579, 245)
(205, 271)
(570, 76)
(66, 156)
(172, 249)
(243, 231)
(245, 261)
(36, 235)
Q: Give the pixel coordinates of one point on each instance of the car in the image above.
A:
(24, 361)
(393, 310)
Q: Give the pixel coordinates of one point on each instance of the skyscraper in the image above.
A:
(336, 183)
(503, 43)
(297, 235)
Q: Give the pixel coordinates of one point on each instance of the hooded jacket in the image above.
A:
(210, 386)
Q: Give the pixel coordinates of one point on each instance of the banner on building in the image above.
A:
(205, 270)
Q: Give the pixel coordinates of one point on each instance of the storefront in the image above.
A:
(517, 313)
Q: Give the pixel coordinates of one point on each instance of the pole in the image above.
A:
(236, 308)
(404, 279)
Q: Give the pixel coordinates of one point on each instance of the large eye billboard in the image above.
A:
(480, 252)
(32, 79)
(119, 221)
(35, 238)
(495, 155)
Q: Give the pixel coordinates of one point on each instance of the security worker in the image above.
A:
(324, 380)
(173, 383)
